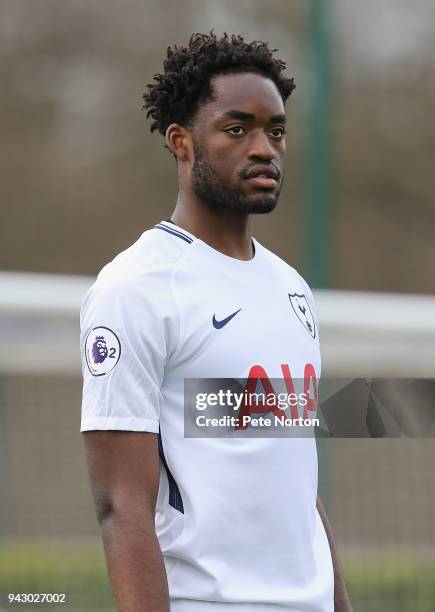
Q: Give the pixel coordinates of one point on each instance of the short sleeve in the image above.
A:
(123, 343)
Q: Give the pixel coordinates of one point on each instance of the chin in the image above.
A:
(261, 204)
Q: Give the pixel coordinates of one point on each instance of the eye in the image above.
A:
(278, 132)
(236, 130)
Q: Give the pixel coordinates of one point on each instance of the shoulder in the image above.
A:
(153, 255)
(133, 296)
(299, 284)
(281, 265)
(141, 272)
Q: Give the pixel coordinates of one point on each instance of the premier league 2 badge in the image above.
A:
(303, 312)
(102, 350)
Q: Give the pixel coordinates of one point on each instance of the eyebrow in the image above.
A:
(236, 114)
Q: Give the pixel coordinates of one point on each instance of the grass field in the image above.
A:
(386, 583)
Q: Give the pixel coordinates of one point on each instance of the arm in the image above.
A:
(124, 473)
(341, 598)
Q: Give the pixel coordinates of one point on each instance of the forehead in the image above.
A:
(247, 92)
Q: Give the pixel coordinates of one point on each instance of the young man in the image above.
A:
(228, 523)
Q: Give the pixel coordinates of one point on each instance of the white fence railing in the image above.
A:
(362, 334)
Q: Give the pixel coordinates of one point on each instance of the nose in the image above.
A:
(260, 147)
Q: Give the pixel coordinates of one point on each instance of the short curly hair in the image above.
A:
(177, 93)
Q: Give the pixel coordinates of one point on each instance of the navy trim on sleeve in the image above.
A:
(175, 499)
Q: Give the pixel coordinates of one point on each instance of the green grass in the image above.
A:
(391, 584)
(78, 571)
(387, 583)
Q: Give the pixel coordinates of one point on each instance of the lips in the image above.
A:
(263, 176)
(264, 171)
(263, 181)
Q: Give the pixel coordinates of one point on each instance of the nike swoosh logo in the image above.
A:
(220, 324)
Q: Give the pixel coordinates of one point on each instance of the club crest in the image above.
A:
(302, 310)
(102, 350)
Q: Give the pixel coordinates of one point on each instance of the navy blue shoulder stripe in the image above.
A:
(174, 232)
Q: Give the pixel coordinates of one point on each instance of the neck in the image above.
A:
(225, 230)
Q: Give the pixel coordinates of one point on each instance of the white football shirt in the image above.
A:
(236, 518)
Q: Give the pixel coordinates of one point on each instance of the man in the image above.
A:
(229, 523)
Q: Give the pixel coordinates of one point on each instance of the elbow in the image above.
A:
(112, 509)
(104, 510)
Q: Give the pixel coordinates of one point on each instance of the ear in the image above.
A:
(179, 142)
